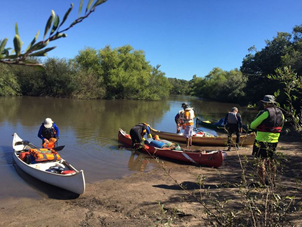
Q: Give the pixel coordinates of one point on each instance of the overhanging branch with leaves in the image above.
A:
(39, 49)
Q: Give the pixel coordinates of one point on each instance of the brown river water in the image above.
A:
(88, 129)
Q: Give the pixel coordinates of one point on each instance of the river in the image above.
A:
(88, 129)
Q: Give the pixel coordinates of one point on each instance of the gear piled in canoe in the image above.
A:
(174, 152)
(47, 165)
(44, 154)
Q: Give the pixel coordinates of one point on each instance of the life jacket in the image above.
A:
(49, 132)
(145, 128)
(23, 155)
(50, 144)
(189, 113)
(273, 123)
(42, 155)
(232, 118)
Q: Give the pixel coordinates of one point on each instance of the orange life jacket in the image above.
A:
(50, 144)
(42, 155)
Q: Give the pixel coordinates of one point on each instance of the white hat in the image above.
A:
(48, 123)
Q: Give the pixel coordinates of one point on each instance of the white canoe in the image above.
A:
(74, 182)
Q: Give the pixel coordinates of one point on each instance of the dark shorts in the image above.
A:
(264, 149)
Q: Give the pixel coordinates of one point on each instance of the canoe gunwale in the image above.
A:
(214, 159)
(245, 140)
(74, 182)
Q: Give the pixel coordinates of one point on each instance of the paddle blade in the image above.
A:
(59, 148)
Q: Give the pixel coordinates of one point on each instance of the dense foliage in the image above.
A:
(221, 85)
(276, 69)
(180, 87)
(121, 73)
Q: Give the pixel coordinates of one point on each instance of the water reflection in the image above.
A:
(137, 162)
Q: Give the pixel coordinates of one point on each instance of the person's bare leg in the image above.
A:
(272, 167)
(261, 171)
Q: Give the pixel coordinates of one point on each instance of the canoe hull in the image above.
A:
(245, 140)
(74, 182)
(211, 159)
(211, 125)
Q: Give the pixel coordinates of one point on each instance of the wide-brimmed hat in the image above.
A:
(48, 122)
(269, 99)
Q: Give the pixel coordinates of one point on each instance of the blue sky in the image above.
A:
(185, 37)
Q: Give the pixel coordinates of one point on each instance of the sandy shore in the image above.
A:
(153, 198)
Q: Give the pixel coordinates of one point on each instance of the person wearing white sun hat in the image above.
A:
(49, 133)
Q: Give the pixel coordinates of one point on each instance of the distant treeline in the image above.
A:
(121, 73)
(262, 72)
(124, 73)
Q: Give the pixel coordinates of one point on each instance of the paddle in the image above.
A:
(59, 148)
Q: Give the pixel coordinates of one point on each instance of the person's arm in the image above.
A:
(239, 121)
(259, 119)
(225, 122)
(149, 132)
(40, 133)
(57, 130)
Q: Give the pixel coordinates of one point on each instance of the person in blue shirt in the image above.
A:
(48, 131)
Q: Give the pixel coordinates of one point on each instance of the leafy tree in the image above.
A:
(8, 82)
(293, 55)
(159, 85)
(127, 75)
(220, 85)
(29, 78)
(293, 92)
(52, 32)
(90, 82)
(256, 66)
(120, 73)
(234, 86)
(58, 78)
(179, 86)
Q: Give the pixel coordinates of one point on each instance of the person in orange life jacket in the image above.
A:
(138, 132)
(189, 116)
(49, 133)
(179, 118)
(268, 124)
(233, 124)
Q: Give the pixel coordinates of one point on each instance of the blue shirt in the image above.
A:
(41, 129)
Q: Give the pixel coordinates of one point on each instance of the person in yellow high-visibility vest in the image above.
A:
(268, 124)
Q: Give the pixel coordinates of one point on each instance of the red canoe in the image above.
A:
(211, 159)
